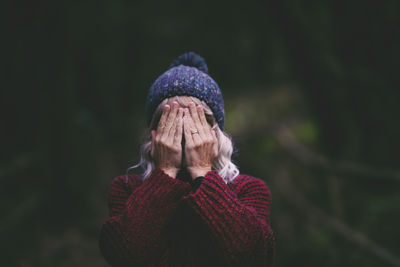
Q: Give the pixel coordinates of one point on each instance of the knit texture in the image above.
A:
(166, 222)
(187, 75)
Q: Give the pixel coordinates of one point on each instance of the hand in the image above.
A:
(201, 144)
(166, 149)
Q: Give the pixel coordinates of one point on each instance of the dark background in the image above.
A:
(311, 98)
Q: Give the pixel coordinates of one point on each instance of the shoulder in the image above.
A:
(120, 188)
(125, 182)
(247, 183)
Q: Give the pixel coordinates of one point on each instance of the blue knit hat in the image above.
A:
(187, 75)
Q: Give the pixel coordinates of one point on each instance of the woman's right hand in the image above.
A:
(166, 149)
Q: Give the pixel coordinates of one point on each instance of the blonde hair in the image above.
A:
(222, 163)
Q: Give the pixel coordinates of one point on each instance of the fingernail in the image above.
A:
(191, 104)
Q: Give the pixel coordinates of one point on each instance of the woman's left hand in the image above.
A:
(201, 144)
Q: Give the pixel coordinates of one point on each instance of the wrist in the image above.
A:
(170, 171)
(196, 172)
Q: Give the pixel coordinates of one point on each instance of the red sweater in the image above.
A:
(166, 222)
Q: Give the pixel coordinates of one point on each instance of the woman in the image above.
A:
(190, 206)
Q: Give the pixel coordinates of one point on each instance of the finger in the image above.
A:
(170, 122)
(161, 124)
(179, 125)
(207, 135)
(172, 131)
(192, 127)
(203, 120)
(204, 126)
(193, 113)
(186, 129)
(196, 123)
(196, 119)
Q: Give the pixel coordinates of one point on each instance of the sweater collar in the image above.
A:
(184, 175)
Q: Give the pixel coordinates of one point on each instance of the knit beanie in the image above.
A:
(187, 75)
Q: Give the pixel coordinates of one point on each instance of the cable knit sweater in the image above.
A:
(171, 222)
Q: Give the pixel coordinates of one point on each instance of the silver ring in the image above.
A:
(195, 132)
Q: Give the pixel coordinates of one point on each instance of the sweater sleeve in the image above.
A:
(132, 235)
(240, 224)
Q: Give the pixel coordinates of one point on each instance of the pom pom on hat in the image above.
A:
(191, 59)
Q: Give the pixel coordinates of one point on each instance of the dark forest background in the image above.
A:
(311, 93)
